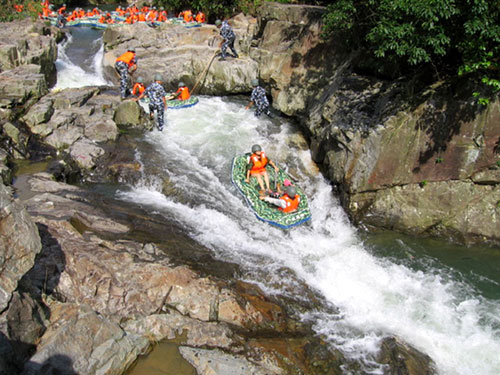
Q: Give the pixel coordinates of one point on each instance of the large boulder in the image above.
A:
(79, 341)
(19, 244)
(184, 54)
(431, 169)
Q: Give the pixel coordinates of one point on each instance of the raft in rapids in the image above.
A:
(263, 210)
(176, 104)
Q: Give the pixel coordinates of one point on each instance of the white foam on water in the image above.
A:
(432, 311)
(88, 73)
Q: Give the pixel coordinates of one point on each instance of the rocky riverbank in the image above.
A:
(418, 159)
(87, 285)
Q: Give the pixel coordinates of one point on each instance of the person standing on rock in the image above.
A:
(259, 98)
(157, 101)
(124, 65)
(227, 33)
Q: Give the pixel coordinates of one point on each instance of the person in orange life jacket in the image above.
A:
(162, 15)
(257, 168)
(288, 202)
(139, 87)
(124, 64)
(200, 17)
(187, 15)
(182, 92)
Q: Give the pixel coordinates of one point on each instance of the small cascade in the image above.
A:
(79, 60)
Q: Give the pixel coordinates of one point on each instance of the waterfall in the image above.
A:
(79, 59)
(429, 304)
(432, 308)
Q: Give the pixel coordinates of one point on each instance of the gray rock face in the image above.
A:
(19, 244)
(413, 172)
(82, 342)
(183, 54)
(209, 362)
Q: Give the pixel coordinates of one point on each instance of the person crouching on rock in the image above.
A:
(124, 65)
(259, 98)
(288, 202)
(257, 168)
(182, 92)
(157, 101)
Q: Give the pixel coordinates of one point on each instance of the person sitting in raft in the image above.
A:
(139, 87)
(182, 92)
(187, 15)
(257, 168)
(288, 202)
(200, 17)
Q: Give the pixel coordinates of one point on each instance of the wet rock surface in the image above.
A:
(106, 276)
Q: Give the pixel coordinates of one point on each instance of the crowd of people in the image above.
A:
(287, 199)
(128, 15)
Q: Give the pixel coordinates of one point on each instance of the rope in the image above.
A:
(205, 71)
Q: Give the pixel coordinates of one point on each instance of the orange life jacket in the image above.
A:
(258, 163)
(188, 16)
(200, 17)
(162, 17)
(291, 204)
(138, 89)
(61, 10)
(127, 58)
(185, 95)
(142, 17)
(152, 15)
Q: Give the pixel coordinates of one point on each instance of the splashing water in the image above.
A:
(433, 308)
(440, 315)
(79, 59)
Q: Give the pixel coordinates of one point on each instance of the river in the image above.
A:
(443, 299)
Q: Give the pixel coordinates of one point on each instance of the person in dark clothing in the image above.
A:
(227, 33)
(157, 101)
(259, 98)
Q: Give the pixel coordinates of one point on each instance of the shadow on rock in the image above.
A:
(50, 263)
(57, 364)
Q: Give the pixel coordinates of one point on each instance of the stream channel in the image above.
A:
(444, 299)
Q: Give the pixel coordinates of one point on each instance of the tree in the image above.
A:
(463, 35)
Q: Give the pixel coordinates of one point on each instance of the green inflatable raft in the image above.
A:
(177, 104)
(263, 210)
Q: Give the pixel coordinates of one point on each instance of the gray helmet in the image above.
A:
(140, 79)
(291, 191)
(255, 82)
(218, 22)
(158, 77)
(256, 148)
(181, 84)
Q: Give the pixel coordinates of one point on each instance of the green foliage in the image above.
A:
(9, 13)
(439, 160)
(462, 35)
(423, 183)
(498, 163)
